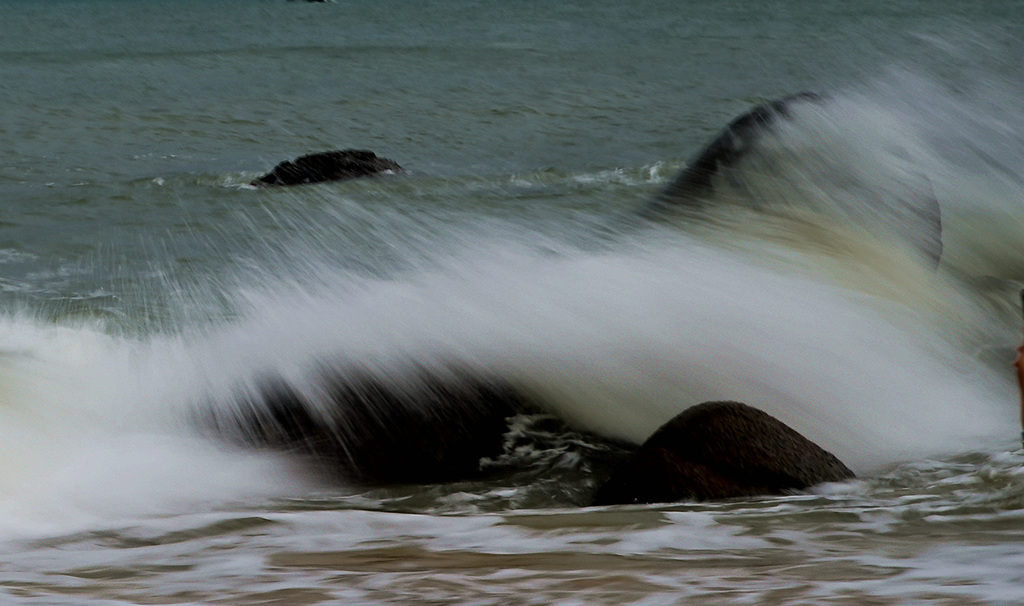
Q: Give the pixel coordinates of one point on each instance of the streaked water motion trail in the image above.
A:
(144, 285)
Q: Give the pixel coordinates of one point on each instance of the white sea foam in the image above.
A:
(850, 339)
(619, 343)
(92, 431)
(616, 342)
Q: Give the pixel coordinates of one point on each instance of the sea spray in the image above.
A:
(93, 431)
(615, 342)
(618, 342)
(518, 123)
(838, 330)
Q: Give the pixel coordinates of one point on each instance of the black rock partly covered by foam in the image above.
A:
(695, 182)
(720, 450)
(336, 165)
(414, 427)
(911, 213)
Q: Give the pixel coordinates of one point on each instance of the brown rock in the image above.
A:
(720, 450)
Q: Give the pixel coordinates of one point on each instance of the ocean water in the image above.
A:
(142, 280)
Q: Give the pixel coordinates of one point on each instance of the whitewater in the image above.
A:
(145, 286)
(852, 340)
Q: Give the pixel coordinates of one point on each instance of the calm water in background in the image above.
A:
(140, 277)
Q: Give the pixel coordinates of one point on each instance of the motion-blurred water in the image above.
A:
(141, 279)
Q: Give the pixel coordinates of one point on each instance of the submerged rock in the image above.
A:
(416, 427)
(328, 166)
(720, 450)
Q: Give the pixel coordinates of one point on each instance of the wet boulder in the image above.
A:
(335, 165)
(412, 426)
(740, 138)
(720, 450)
(731, 168)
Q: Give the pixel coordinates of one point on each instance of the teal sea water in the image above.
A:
(142, 278)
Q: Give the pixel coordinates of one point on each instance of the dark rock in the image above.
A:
(691, 187)
(328, 166)
(911, 211)
(720, 450)
(415, 427)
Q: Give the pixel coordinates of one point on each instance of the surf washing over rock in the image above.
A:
(615, 342)
(194, 370)
(844, 332)
(769, 143)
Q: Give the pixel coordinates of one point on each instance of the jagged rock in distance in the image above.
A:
(416, 427)
(913, 214)
(720, 450)
(328, 166)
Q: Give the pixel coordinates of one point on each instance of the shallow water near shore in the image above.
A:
(143, 281)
